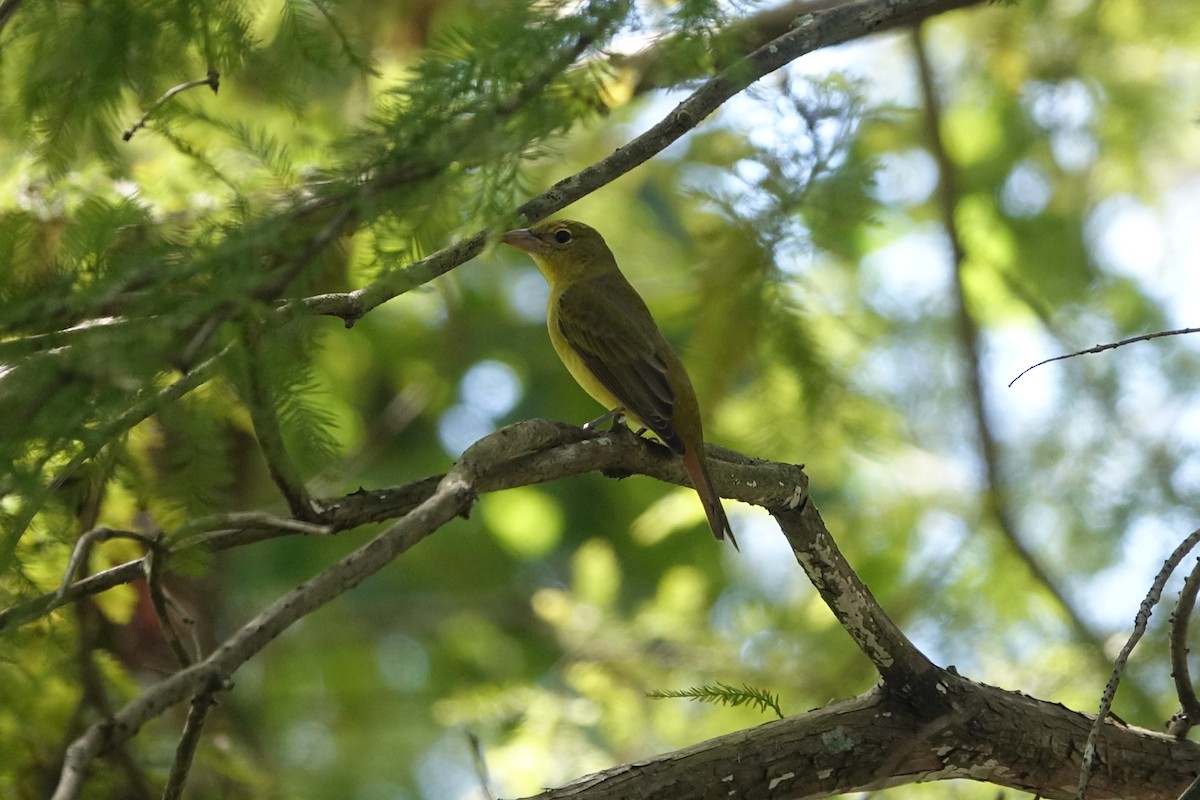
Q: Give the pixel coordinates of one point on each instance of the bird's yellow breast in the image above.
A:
(572, 361)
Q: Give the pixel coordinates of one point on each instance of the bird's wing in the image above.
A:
(623, 353)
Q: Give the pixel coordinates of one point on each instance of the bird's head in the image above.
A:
(563, 249)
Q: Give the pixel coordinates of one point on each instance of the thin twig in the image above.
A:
(185, 751)
(146, 403)
(995, 499)
(1100, 348)
(83, 548)
(454, 496)
(845, 22)
(213, 79)
(481, 770)
(265, 420)
(155, 562)
(1139, 628)
(1189, 705)
(218, 532)
(203, 335)
(95, 696)
(202, 528)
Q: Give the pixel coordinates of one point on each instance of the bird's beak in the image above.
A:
(524, 239)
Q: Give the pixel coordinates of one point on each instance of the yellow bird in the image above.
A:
(604, 334)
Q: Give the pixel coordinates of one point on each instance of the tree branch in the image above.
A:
(572, 451)
(1100, 348)
(996, 497)
(212, 80)
(261, 405)
(185, 751)
(1189, 705)
(454, 495)
(826, 28)
(1091, 752)
(876, 740)
(903, 667)
(922, 723)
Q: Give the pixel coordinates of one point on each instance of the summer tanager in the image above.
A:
(604, 334)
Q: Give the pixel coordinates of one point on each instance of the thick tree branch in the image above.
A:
(903, 667)
(525, 447)
(570, 451)
(877, 740)
(921, 724)
(823, 28)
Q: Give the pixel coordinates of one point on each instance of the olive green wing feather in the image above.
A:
(622, 349)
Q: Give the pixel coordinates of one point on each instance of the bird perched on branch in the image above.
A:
(604, 334)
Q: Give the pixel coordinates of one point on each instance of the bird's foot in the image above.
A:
(616, 417)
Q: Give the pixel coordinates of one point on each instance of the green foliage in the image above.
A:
(724, 694)
(793, 246)
(76, 61)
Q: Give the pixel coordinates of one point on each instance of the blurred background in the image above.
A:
(835, 308)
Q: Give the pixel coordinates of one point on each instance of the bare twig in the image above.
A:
(1139, 628)
(202, 529)
(1189, 705)
(146, 403)
(155, 562)
(83, 547)
(481, 770)
(280, 465)
(825, 28)
(995, 498)
(185, 751)
(1100, 348)
(95, 696)
(212, 79)
(454, 495)
(203, 335)
(217, 532)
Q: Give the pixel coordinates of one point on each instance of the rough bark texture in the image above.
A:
(879, 740)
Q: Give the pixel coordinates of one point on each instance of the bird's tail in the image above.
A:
(697, 470)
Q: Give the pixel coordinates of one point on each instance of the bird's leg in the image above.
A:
(613, 416)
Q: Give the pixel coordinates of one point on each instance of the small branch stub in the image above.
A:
(212, 79)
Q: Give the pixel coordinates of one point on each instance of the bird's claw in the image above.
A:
(614, 416)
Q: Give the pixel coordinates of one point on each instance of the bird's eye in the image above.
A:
(562, 236)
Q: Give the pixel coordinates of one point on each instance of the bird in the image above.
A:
(606, 337)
